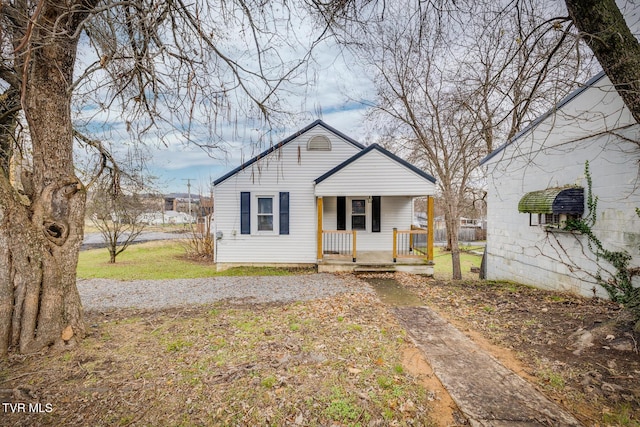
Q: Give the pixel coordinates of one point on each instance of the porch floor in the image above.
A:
(374, 261)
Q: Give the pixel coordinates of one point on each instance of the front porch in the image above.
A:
(375, 261)
(365, 211)
(409, 250)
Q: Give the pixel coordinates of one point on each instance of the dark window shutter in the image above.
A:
(342, 213)
(284, 213)
(245, 212)
(375, 214)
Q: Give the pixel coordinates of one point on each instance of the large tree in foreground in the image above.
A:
(41, 231)
(159, 63)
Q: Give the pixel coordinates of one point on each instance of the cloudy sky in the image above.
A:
(329, 99)
(332, 90)
(334, 93)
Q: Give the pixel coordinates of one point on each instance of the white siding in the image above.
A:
(394, 212)
(375, 174)
(330, 213)
(551, 155)
(291, 168)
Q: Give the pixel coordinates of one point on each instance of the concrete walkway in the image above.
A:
(485, 391)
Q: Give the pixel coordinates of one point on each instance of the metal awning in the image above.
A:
(562, 200)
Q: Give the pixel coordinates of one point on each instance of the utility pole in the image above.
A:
(189, 192)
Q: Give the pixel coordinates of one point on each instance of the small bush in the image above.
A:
(200, 244)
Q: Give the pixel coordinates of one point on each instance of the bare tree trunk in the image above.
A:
(9, 104)
(39, 302)
(40, 233)
(6, 285)
(455, 261)
(606, 32)
(9, 108)
(452, 221)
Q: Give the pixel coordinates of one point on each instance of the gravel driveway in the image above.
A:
(105, 294)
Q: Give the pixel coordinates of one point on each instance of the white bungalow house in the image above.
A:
(537, 180)
(320, 197)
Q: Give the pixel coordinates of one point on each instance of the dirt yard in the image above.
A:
(581, 352)
(340, 361)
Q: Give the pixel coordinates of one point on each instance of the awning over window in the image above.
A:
(565, 200)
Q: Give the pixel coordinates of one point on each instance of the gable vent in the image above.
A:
(319, 143)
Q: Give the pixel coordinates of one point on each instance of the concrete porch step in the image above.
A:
(377, 268)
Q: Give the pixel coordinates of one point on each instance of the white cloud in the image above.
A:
(331, 89)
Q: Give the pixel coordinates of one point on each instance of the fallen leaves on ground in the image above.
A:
(332, 361)
(582, 352)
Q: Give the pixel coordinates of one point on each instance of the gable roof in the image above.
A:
(285, 141)
(387, 153)
(595, 79)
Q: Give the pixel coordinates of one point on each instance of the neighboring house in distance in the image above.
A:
(320, 197)
(537, 180)
(205, 207)
(167, 217)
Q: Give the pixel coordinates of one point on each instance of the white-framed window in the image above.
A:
(358, 214)
(556, 220)
(265, 213)
(551, 221)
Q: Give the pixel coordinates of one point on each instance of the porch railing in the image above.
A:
(339, 242)
(411, 243)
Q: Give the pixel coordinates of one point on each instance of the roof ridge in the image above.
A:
(564, 101)
(382, 150)
(317, 122)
